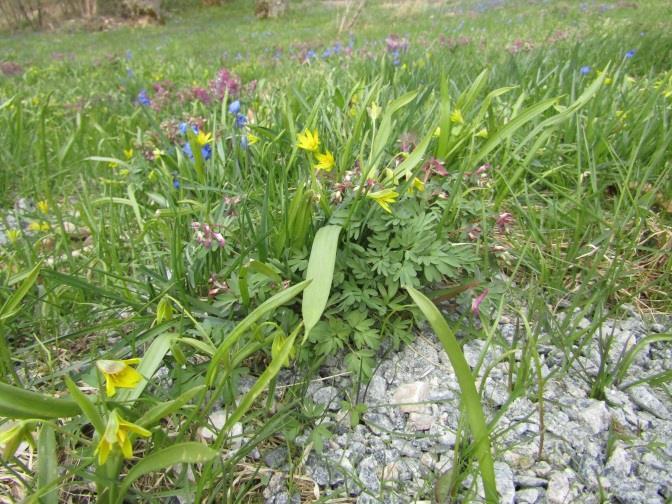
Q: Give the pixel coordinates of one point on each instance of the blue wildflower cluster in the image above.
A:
(206, 150)
(143, 98)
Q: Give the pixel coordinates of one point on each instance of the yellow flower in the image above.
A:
(128, 153)
(483, 133)
(118, 373)
(157, 153)
(308, 141)
(112, 164)
(384, 198)
(11, 438)
(252, 139)
(374, 111)
(13, 235)
(124, 172)
(38, 226)
(43, 207)
(324, 161)
(117, 435)
(203, 138)
(456, 116)
(437, 132)
(418, 185)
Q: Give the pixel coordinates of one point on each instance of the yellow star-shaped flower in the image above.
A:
(118, 373)
(308, 140)
(117, 435)
(384, 198)
(324, 161)
(203, 138)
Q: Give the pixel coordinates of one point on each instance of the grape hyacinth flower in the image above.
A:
(585, 70)
(234, 107)
(143, 98)
(241, 120)
(630, 54)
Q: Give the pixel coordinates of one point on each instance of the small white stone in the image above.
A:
(420, 421)
(216, 421)
(504, 482)
(410, 394)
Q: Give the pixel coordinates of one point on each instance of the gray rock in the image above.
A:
(529, 495)
(596, 416)
(377, 390)
(619, 463)
(558, 491)
(526, 481)
(368, 474)
(643, 398)
(327, 397)
(504, 481)
(378, 422)
(276, 457)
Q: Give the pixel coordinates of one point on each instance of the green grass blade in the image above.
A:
(47, 463)
(266, 307)
(164, 409)
(85, 405)
(182, 453)
(470, 395)
(11, 306)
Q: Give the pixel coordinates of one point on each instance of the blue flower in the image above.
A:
(395, 56)
(326, 53)
(129, 54)
(311, 54)
(234, 107)
(241, 120)
(176, 181)
(630, 53)
(585, 70)
(206, 151)
(182, 128)
(337, 47)
(143, 98)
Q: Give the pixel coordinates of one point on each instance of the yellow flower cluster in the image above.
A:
(310, 141)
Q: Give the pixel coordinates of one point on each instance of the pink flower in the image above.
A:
(504, 219)
(433, 165)
(476, 302)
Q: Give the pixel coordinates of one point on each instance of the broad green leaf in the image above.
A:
(164, 409)
(264, 308)
(470, 396)
(150, 362)
(87, 407)
(11, 306)
(181, 453)
(320, 273)
(18, 403)
(415, 158)
(47, 463)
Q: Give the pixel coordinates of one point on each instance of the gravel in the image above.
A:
(621, 445)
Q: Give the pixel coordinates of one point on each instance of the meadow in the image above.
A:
(191, 213)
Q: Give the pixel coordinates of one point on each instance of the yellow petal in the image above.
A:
(109, 386)
(128, 378)
(103, 450)
(134, 428)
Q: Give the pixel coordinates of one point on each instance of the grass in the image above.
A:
(550, 189)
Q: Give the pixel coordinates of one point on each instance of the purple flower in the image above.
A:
(234, 107)
(176, 182)
(143, 98)
(630, 54)
(585, 70)
(476, 302)
(225, 83)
